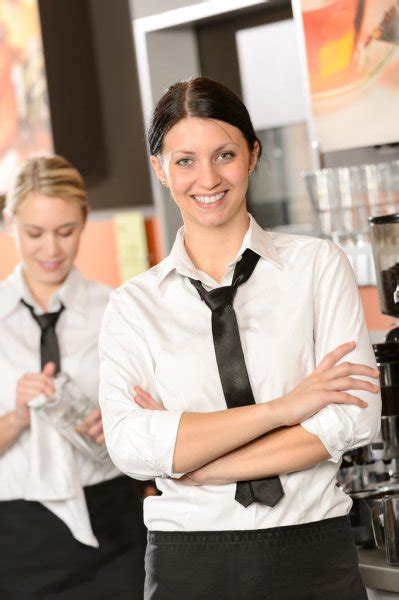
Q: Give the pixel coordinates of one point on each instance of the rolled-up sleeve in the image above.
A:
(140, 442)
(339, 318)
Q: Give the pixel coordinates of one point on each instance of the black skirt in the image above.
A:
(40, 559)
(314, 561)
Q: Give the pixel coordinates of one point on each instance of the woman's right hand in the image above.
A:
(29, 386)
(327, 384)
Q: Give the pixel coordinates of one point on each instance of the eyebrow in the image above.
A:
(31, 225)
(216, 150)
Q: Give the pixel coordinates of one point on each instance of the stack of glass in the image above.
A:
(344, 198)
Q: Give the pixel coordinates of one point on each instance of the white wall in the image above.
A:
(270, 74)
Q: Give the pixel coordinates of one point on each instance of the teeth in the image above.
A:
(209, 199)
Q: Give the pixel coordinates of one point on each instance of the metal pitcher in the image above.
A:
(385, 522)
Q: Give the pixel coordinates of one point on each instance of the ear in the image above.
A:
(157, 167)
(253, 160)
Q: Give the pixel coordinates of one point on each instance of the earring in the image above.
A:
(165, 185)
(251, 170)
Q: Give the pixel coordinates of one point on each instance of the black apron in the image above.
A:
(314, 561)
(40, 559)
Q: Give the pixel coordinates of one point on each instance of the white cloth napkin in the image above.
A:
(53, 478)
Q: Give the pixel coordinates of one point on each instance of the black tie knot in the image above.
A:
(220, 297)
(49, 348)
(47, 320)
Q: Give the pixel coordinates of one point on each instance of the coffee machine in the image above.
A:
(371, 473)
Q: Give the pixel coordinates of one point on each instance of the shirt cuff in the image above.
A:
(333, 428)
(166, 422)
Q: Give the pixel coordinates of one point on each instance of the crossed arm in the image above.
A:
(278, 452)
(263, 440)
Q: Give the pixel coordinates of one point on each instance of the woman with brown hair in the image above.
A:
(70, 524)
(243, 408)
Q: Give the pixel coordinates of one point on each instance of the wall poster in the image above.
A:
(352, 52)
(25, 127)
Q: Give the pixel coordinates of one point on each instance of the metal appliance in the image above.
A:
(371, 474)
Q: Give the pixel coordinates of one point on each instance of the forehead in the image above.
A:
(42, 210)
(195, 134)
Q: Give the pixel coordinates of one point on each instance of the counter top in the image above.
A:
(376, 573)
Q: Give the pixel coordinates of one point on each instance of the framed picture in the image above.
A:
(352, 58)
(25, 126)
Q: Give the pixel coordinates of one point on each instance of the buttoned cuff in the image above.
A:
(333, 428)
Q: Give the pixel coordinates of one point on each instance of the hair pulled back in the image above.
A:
(200, 97)
(52, 176)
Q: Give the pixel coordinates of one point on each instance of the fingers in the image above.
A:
(96, 433)
(92, 426)
(49, 369)
(31, 379)
(345, 369)
(35, 377)
(345, 398)
(29, 389)
(145, 400)
(139, 390)
(92, 418)
(331, 359)
(351, 383)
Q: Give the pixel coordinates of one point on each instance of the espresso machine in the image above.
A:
(370, 475)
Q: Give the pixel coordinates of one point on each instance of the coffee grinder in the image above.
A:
(371, 472)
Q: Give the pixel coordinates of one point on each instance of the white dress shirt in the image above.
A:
(77, 332)
(300, 303)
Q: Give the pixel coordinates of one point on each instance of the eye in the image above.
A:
(225, 156)
(184, 162)
(66, 233)
(33, 233)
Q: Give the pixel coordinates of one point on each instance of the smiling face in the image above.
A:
(205, 163)
(47, 233)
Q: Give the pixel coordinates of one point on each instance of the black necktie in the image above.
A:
(49, 349)
(232, 369)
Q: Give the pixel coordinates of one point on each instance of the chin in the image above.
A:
(53, 277)
(215, 219)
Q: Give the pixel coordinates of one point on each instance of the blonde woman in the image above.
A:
(86, 540)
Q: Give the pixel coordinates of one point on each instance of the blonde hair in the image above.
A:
(50, 176)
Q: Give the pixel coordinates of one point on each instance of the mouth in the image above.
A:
(208, 200)
(50, 265)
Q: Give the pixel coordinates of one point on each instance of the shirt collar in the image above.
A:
(72, 293)
(255, 238)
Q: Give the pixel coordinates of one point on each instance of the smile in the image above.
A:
(209, 199)
(50, 265)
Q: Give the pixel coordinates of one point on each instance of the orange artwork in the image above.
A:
(352, 51)
(25, 127)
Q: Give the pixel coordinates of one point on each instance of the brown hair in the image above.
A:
(200, 97)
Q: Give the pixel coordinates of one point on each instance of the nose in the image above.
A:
(51, 245)
(208, 176)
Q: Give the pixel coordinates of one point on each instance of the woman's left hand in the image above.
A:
(92, 426)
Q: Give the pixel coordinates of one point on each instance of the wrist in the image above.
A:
(273, 414)
(205, 476)
(16, 423)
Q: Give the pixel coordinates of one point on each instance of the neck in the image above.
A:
(212, 249)
(40, 292)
